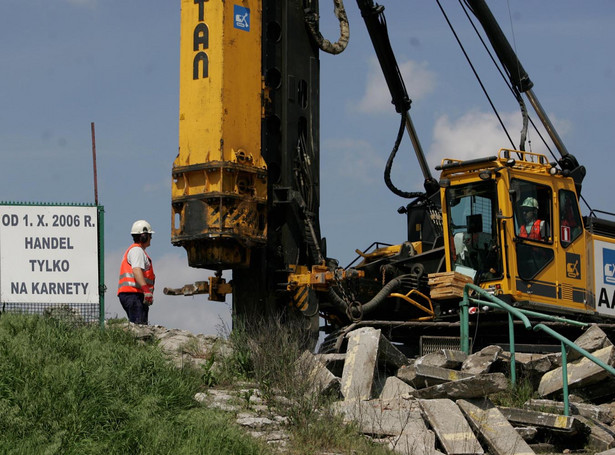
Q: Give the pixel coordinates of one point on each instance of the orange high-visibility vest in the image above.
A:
(534, 232)
(127, 281)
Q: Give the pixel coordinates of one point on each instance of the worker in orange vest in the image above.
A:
(136, 284)
(533, 228)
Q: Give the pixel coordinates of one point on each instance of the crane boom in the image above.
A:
(521, 80)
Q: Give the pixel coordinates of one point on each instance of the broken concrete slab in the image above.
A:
(601, 437)
(360, 364)
(481, 385)
(443, 358)
(367, 349)
(594, 392)
(601, 413)
(529, 363)
(527, 433)
(407, 373)
(557, 422)
(496, 431)
(419, 442)
(581, 373)
(481, 361)
(591, 340)
(395, 388)
(382, 418)
(321, 380)
(427, 375)
(333, 362)
(450, 426)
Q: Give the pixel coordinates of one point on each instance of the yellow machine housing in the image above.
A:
(554, 273)
(219, 188)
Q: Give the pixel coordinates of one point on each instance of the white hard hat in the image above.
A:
(141, 227)
(530, 202)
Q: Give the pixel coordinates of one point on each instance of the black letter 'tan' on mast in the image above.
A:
(201, 9)
(201, 37)
(200, 57)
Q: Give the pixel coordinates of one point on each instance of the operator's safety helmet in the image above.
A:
(141, 227)
(530, 203)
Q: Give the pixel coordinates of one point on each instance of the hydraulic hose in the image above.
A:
(371, 305)
(311, 19)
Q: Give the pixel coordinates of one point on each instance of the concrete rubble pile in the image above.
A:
(442, 402)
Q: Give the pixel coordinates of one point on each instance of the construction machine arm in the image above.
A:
(373, 15)
(520, 79)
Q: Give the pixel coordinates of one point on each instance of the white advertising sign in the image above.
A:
(48, 254)
(604, 271)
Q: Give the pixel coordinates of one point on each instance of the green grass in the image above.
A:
(67, 390)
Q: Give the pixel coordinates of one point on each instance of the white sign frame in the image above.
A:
(49, 254)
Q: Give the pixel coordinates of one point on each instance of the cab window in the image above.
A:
(532, 204)
(569, 218)
(475, 247)
(532, 208)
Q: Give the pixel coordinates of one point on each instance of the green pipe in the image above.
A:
(553, 318)
(580, 350)
(494, 302)
(565, 380)
(500, 303)
(464, 323)
(511, 337)
(510, 310)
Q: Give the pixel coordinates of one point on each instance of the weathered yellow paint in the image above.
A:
(220, 113)
(219, 188)
(529, 167)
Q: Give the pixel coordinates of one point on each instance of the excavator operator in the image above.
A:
(533, 228)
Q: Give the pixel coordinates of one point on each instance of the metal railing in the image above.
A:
(494, 302)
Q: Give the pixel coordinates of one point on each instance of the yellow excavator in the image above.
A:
(246, 181)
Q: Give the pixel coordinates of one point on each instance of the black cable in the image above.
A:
(475, 73)
(505, 78)
(389, 165)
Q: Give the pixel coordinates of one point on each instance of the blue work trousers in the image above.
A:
(132, 302)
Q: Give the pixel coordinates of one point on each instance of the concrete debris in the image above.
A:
(601, 413)
(427, 375)
(556, 422)
(481, 361)
(581, 373)
(407, 373)
(592, 340)
(394, 388)
(382, 418)
(443, 358)
(499, 435)
(440, 403)
(321, 380)
(530, 366)
(451, 428)
(481, 385)
(601, 437)
(367, 350)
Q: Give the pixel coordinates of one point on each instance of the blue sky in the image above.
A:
(67, 63)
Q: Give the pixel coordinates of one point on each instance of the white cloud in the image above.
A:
(352, 158)
(419, 81)
(479, 134)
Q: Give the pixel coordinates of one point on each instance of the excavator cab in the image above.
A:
(514, 226)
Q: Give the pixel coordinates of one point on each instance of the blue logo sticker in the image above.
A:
(608, 260)
(241, 18)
